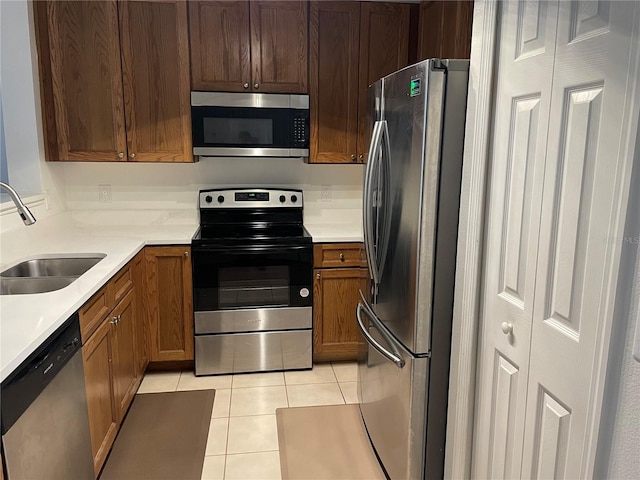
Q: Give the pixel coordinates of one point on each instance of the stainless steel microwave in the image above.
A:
(250, 124)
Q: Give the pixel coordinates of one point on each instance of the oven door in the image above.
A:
(252, 277)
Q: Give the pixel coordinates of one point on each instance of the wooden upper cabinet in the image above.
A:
(80, 56)
(384, 48)
(334, 29)
(114, 80)
(220, 45)
(258, 46)
(279, 46)
(352, 44)
(445, 29)
(155, 61)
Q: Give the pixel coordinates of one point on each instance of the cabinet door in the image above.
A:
(445, 29)
(336, 295)
(103, 420)
(141, 326)
(384, 48)
(155, 62)
(124, 353)
(169, 303)
(83, 51)
(333, 81)
(220, 46)
(279, 44)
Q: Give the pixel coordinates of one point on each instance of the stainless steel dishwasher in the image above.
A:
(45, 421)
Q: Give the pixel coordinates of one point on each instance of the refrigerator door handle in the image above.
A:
(395, 356)
(368, 205)
(383, 196)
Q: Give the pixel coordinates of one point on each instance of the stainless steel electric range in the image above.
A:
(252, 282)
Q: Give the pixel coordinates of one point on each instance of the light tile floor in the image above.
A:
(243, 438)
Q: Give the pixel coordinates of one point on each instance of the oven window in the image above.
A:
(242, 287)
(238, 131)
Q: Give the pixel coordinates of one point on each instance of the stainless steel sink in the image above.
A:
(40, 275)
(52, 267)
(22, 285)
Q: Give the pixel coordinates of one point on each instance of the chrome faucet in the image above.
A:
(23, 211)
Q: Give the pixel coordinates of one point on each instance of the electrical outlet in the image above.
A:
(104, 193)
(326, 194)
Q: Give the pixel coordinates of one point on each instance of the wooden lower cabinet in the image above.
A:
(110, 354)
(169, 303)
(336, 295)
(98, 377)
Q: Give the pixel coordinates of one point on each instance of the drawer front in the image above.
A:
(253, 352)
(121, 283)
(336, 255)
(94, 312)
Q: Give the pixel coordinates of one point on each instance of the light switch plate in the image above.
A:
(326, 195)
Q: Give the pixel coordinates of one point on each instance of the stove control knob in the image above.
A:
(208, 199)
(282, 199)
(294, 198)
(220, 199)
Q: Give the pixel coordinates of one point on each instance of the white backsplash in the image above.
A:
(175, 186)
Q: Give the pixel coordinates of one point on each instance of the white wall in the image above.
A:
(619, 443)
(28, 173)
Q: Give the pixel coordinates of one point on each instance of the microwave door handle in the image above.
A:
(368, 204)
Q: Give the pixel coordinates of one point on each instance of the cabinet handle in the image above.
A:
(132, 156)
(186, 254)
(245, 85)
(318, 276)
(353, 158)
(121, 155)
(341, 257)
(256, 85)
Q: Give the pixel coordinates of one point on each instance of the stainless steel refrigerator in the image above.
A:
(411, 202)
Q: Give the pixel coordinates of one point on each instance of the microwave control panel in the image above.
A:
(301, 131)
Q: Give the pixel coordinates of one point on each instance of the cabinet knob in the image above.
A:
(353, 158)
(341, 256)
(115, 320)
(318, 276)
(186, 254)
(132, 155)
(121, 155)
(507, 328)
(245, 85)
(256, 85)
(361, 156)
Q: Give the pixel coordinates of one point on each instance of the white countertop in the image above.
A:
(26, 321)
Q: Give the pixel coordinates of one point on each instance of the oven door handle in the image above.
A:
(249, 249)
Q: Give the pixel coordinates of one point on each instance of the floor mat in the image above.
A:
(327, 442)
(163, 436)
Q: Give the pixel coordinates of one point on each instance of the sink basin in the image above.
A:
(22, 285)
(53, 267)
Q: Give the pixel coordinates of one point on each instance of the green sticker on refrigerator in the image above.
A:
(414, 90)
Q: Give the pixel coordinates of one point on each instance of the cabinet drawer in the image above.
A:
(94, 312)
(121, 283)
(335, 255)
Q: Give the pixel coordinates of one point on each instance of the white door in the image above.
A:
(522, 101)
(540, 384)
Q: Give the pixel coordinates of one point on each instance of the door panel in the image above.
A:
(522, 100)
(124, 358)
(155, 62)
(220, 45)
(334, 29)
(586, 185)
(84, 51)
(279, 46)
(392, 402)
